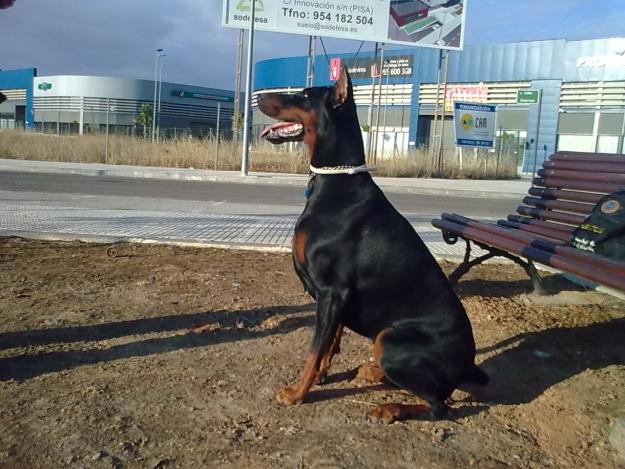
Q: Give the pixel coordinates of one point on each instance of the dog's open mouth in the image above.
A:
(284, 132)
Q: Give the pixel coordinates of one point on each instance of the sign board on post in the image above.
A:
(426, 23)
(465, 93)
(474, 124)
(335, 69)
(527, 96)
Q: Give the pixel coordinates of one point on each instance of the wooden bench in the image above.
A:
(566, 190)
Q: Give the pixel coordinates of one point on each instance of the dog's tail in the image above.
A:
(477, 376)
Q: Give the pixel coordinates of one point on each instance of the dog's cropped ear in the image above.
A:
(342, 88)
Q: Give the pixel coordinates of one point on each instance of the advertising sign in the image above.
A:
(527, 96)
(465, 93)
(195, 95)
(335, 69)
(393, 66)
(426, 23)
(474, 124)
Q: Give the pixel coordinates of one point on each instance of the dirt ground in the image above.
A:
(103, 365)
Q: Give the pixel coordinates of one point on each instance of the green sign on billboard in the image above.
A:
(195, 95)
(44, 86)
(527, 96)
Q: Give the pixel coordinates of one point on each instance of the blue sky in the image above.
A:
(118, 37)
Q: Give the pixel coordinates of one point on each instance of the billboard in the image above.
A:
(474, 124)
(425, 23)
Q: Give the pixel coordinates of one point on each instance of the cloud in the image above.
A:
(4, 4)
(119, 38)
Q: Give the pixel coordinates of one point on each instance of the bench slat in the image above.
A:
(551, 204)
(537, 230)
(617, 178)
(591, 186)
(551, 215)
(585, 166)
(575, 196)
(559, 227)
(584, 156)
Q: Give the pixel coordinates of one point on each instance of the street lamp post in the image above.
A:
(160, 86)
(245, 157)
(159, 53)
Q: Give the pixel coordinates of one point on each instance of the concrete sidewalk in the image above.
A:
(72, 220)
(506, 189)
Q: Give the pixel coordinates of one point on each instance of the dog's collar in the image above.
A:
(363, 168)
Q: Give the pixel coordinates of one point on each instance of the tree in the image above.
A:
(144, 118)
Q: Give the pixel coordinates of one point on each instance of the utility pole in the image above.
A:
(160, 87)
(158, 54)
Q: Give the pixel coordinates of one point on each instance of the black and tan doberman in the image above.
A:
(366, 267)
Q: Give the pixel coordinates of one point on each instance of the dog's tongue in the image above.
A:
(281, 129)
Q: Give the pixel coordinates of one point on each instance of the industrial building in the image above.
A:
(582, 85)
(82, 104)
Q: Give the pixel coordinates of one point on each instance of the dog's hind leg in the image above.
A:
(405, 358)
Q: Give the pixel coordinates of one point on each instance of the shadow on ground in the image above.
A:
(533, 362)
(553, 285)
(230, 326)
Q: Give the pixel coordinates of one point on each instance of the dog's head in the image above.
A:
(323, 117)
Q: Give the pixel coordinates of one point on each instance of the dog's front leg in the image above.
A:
(329, 306)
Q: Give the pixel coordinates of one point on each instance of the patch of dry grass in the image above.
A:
(204, 154)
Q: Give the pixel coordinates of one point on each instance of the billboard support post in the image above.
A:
(372, 101)
(438, 92)
(377, 115)
(442, 144)
(237, 91)
(310, 67)
(248, 93)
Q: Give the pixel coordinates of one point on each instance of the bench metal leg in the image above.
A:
(530, 270)
(467, 264)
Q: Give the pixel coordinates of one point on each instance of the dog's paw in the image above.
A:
(387, 413)
(289, 396)
(322, 377)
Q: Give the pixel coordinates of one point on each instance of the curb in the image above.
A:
(109, 239)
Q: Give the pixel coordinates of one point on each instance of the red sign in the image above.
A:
(375, 72)
(465, 93)
(335, 69)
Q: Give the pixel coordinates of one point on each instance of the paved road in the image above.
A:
(211, 197)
